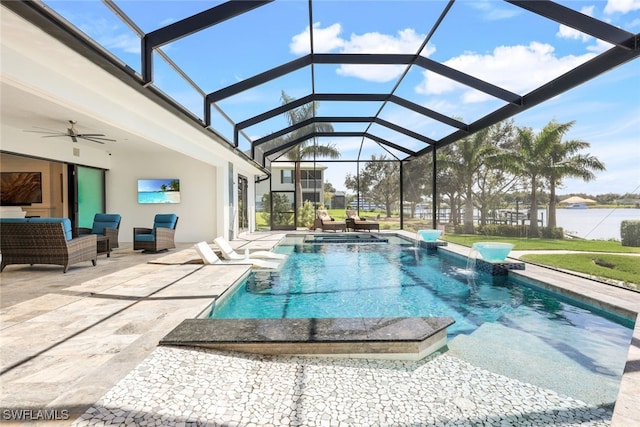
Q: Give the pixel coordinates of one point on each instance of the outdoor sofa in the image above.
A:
(44, 241)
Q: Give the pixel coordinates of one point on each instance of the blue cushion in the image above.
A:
(145, 237)
(66, 224)
(100, 221)
(165, 221)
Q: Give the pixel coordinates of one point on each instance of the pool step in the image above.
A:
(409, 338)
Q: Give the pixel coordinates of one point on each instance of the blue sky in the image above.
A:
(153, 184)
(492, 40)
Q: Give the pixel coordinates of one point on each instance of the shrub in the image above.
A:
(306, 215)
(630, 233)
(505, 230)
(552, 233)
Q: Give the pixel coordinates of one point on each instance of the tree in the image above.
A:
(465, 160)
(564, 161)
(379, 182)
(308, 149)
(545, 159)
(329, 192)
(417, 181)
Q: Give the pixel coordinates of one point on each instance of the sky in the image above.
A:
(490, 40)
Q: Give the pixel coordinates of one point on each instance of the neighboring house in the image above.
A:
(283, 179)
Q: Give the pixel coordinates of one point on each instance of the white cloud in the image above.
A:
(565, 32)
(621, 6)
(519, 69)
(328, 39)
(111, 36)
(324, 40)
(492, 13)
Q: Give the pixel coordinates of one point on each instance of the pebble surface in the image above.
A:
(196, 387)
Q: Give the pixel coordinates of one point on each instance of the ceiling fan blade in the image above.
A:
(43, 128)
(55, 136)
(73, 138)
(89, 134)
(39, 131)
(94, 140)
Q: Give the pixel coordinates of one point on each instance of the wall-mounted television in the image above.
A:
(159, 190)
(20, 188)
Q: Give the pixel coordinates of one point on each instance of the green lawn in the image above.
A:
(522, 244)
(601, 265)
(623, 268)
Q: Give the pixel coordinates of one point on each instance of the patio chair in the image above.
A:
(159, 238)
(210, 257)
(229, 253)
(326, 222)
(355, 222)
(104, 225)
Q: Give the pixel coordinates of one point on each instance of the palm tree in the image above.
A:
(544, 158)
(308, 149)
(565, 162)
(529, 161)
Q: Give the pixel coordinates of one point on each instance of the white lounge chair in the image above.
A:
(209, 257)
(229, 253)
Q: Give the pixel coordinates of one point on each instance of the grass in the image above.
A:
(524, 244)
(602, 264)
(622, 268)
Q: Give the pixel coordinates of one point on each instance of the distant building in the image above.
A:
(283, 179)
(338, 201)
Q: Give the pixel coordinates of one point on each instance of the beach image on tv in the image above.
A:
(158, 191)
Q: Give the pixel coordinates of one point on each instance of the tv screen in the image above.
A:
(158, 191)
(20, 188)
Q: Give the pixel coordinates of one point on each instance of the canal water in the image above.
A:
(595, 224)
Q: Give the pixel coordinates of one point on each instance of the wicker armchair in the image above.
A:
(159, 238)
(104, 225)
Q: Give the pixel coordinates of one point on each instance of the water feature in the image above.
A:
(430, 235)
(493, 251)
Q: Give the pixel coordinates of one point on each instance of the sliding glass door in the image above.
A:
(86, 195)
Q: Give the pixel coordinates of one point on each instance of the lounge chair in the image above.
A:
(355, 222)
(159, 238)
(209, 257)
(326, 222)
(229, 253)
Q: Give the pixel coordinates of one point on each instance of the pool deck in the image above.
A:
(85, 343)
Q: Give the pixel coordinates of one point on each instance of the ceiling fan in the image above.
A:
(73, 133)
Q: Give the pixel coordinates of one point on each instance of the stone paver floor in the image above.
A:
(179, 387)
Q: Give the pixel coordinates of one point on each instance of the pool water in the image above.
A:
(398, 280)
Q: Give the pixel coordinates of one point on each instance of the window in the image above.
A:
(286, 176)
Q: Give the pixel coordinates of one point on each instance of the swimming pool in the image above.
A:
(396, 279)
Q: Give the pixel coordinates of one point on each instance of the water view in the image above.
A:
(595, 223)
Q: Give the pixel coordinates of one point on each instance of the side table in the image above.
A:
(104, 246)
